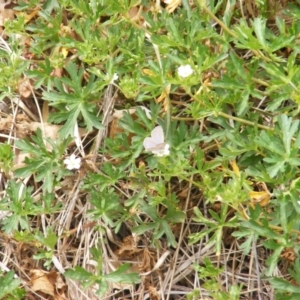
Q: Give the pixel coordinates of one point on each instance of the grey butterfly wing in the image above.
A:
(149, 143)
(158, 135)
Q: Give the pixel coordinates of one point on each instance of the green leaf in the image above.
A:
(8, 284)
(28, 170)
(259, 25)
(78, 273)
(273, 170)
(271, 142)
(28, 147)
(273, 260)
(90, 120)
(140, 229)
(170, 236)
(288, 128)
(69, 126)
(284, 286)
(121, 276)
(49, 240)
(262, 230)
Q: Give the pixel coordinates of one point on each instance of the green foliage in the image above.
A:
(10, 287)
(49, 241)
(121, 275)
(12, 67)
(19, 205)
(284, 288)
(209, 273)
(44, 164)
(76, 105)
(232, 125)
(214, 227)
(42, 75)
(6, 158)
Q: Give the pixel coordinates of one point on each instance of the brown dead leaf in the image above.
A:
(164, 97)
(235, 168)
(144, 256)
(49, 283)
(4, 107)
(148, 72)
(45, 111)
(115, 128)
(288, 254)
(7, 124)
(64, 52)
(184, 193)
(148, 261)
(172, 5)
(23, 127)
(260, 197)
(6, 14)
(42, 282)
(135, 14)
(118, 114)
(128, 249)
(25, 88)
(57, 72)
(263, 198)
(50, 130)
(28, 17)
(25, 253)
(153, 294)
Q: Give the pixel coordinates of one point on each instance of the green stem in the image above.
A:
(244, 121)
(264, 83)
(224, 27)
(232, 33)
(201, 187)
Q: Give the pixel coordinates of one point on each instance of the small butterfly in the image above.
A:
(156, 142)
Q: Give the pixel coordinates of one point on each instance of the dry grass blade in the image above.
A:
(107, 108)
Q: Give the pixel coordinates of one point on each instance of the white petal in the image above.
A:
(185, 71)
(72, 162)
(114, 78)
(72, 157)
(67, 161)
(69, 167)
(77, 160)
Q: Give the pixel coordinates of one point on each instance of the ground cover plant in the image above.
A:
(149, 150)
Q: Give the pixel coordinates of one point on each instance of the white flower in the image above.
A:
(156, 142)
(185, 71)
(72, 162)
(115, 77)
